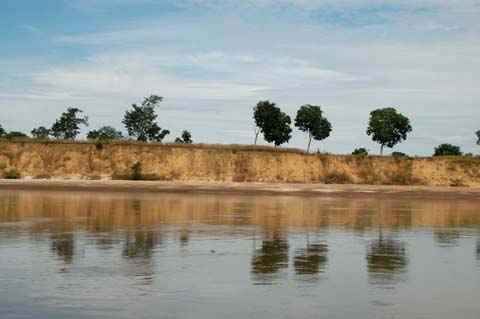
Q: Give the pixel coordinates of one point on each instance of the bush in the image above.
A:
(11, 174)
(337, 178)
(457, 183)
(447, 150)
(137, 175)
(360, 151)
(399, 154)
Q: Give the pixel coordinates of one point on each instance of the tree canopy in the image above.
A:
(2, 131)
(105, 133)
(447, 150)
(388, 127)
(362, 151)
(40, 132)
(186, 138)
(140, 122)
(272, 122)
(67, 127)
(310, 120)
(478, 137)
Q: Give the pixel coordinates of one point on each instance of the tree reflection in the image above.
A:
(478, 249)
(446, 237)
(310, 261)
(387, 261)
(63, 245)
(270, 258)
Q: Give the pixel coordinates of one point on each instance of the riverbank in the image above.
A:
(33, 159)
(471, 193)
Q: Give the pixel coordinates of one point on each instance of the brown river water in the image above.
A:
(121, 255)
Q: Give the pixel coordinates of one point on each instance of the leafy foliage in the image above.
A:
(272, 122)
(105, 133)
(12, 174)
(399, 154)
(185, 138)
(362, 151)
(478, 137)
(387, 127)
(67, 127)
(310, 119)
(40, 132)
(2, 131)
(447, 150)
(14, 134)
(140, 122)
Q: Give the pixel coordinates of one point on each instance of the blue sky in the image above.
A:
(213, 60)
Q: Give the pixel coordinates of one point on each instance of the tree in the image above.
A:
(272, 122)
(67, 127)
(399, 154)
(310, 119)
(186, 138)
(447, 150)
(478, 136)
(40, 132)
(388, 127)
(105, 133)
(140, 122)
(14, 134)
(2, 131)
(362, 151)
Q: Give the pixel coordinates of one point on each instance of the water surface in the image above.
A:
(102, 255)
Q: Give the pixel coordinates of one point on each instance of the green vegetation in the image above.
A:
(67, 127)
(137, 174)
(14, 135)
(447, 150)
(310, 120)
(388, 127)
(140, 122)
(40, 132)
(337, 178)
(362, 151)
(105, 133)
(11, 174)
(272, 122)
(399, 154)
(186, 138)
(478, 137)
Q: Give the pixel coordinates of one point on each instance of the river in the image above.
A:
(132, 255)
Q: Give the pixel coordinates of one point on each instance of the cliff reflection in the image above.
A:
(387, 261)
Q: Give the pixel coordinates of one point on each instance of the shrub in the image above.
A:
(360, 151)
(399, 154)
(11, 174)
(337, 178)
(447, 150)
(457, 183)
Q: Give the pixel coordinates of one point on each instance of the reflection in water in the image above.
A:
(447, 237)
(138, 255)
(310, 261)
(387, 261)
(270, 258)
(63, 245)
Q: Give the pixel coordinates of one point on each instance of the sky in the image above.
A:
(214, 60)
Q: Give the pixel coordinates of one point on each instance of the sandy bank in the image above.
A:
(245, 188)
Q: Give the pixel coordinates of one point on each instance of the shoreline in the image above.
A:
(257, 188)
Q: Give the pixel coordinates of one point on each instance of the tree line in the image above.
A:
(386, 127)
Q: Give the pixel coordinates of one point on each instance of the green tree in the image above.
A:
(2, 131)
(447, 150)
(67, 127)
(14, 134)
(272, 122)
(362, 151)
(388, 128)
(105, 133)
(186, 138)
(140, 122)
(399, 154)
(310, 120)
(478, 137)
(40, 132)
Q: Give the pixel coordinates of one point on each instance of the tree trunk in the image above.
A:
(256, 134)
(381, 150)
(309, 142)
